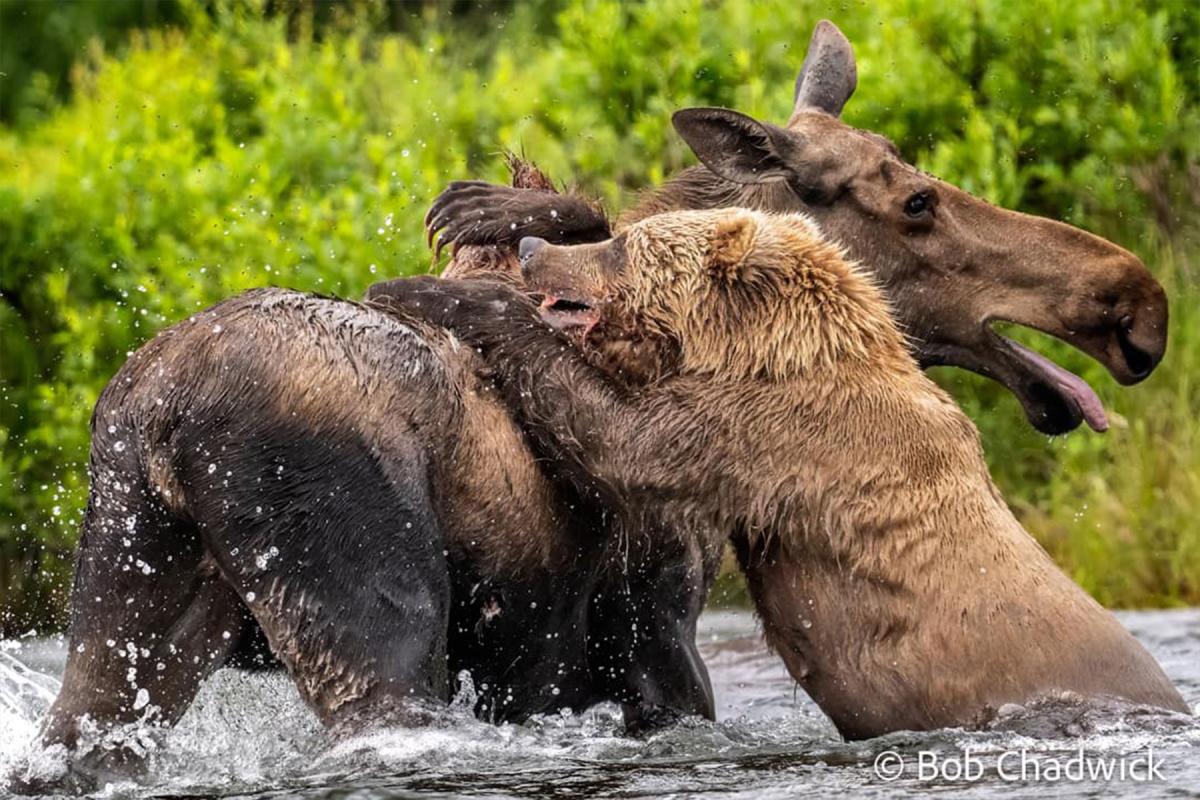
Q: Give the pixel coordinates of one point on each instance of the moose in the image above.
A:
(950, 264)
(333, 486)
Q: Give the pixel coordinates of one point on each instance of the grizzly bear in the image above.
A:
(889, 574)
(299, 478)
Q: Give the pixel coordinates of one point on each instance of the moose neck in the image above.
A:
(911, 598)
(700, 188)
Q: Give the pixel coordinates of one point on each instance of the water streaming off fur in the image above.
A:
(248, 735)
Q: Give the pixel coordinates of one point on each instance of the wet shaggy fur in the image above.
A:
(888, 571)
(296, 385)
(292, 477)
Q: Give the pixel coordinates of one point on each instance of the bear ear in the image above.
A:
(731, 243)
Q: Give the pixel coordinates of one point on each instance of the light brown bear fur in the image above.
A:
(888, 571)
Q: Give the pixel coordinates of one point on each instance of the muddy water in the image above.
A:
(248, 735)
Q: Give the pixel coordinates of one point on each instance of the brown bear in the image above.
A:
(341, 428)
(889, 573)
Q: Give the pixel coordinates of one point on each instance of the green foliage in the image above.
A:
(41, 41)
(247, 150)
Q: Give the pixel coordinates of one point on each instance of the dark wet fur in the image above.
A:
(314, 482)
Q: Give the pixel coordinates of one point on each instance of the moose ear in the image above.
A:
(829, 75)
(734, 146)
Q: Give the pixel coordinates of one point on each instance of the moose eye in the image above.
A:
(919, 204)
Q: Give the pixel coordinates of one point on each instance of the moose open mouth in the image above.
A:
(570, 313)
(1064, 397)
(1055, 400)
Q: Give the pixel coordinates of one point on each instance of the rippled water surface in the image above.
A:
(248, 735)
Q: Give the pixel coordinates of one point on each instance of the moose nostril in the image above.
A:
(528, 246)
(1140, 362)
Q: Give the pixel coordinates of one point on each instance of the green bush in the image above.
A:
(247, 150)
(40, 42)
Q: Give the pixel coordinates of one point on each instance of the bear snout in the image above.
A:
(527, 247)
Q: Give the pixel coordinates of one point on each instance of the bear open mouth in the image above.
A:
(569, 312)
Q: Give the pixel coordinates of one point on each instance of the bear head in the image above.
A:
(731, 292)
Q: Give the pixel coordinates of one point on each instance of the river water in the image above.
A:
(248, 735)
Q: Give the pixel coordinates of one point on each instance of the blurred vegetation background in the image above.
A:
(156, 157)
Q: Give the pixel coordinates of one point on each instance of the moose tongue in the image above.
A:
(1069, 384)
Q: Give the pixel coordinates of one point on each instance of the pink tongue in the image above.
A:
(1069, 384)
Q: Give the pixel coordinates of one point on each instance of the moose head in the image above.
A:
(951, 265)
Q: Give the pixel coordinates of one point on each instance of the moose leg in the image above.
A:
(148, 623)
(337, 555)
(642, 638)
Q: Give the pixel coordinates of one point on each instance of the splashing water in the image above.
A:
(248, 734)
(25, 694)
